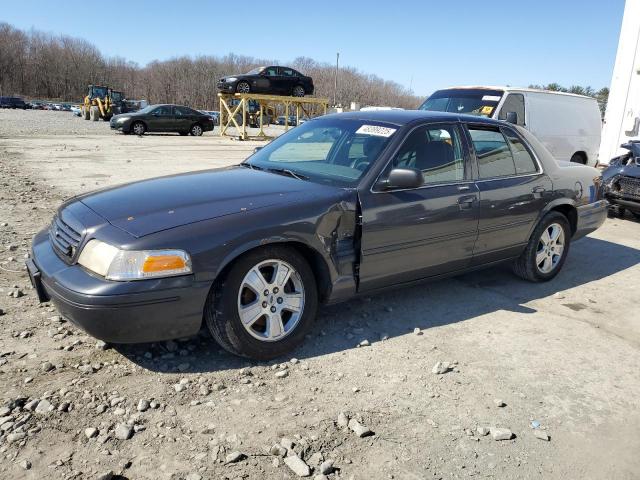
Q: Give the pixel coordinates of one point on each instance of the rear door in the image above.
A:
(184, 118)
(416, 233)
(513, 190)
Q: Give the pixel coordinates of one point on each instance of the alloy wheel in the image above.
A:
(138, 129)
(550, 248)
(196, 130)
(271, 300)
(243, 87)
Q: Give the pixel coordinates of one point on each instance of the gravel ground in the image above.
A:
(562, 357)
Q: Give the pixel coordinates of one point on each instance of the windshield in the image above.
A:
(481, 102)
(99, 92)
(146, 109)
(330, 151)
(255, 71)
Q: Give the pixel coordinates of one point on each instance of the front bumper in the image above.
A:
(590, 217)
(227, 87)
(117, 312)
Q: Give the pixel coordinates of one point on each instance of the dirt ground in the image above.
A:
(564, 355)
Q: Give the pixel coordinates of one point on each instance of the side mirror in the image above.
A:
(512, 117)
(403, 178)
(257, 149)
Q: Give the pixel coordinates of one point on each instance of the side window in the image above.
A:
(164, 110)
(436, 150)
(287, 72)
(271, 71)
(513, 103)
(493, 153)
(522, 158)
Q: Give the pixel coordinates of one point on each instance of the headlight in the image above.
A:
(231, 79)
(115, 264)
(121, 119)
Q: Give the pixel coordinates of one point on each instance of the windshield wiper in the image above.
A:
(291, 173)
(252, 167)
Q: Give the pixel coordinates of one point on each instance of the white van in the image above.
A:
(568, 125)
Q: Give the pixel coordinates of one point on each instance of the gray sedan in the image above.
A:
(340, 206)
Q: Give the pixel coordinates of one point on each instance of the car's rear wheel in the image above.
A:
(298, 91)
(138, 128)
(579, 157)
(265, 304)
(547, 249)
(243, 87)
(196, 130)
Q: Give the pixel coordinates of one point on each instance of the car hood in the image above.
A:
(149, 206)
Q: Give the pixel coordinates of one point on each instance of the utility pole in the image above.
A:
(335, 83)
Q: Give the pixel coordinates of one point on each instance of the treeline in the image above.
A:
(58, 67)
(602, 95)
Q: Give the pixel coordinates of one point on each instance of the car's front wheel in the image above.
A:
(264, 305)
(547, 249)
(243, 87)
(138, 128)
(196, 130)
(298, 91)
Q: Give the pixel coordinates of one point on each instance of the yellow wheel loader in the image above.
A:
(97, 104)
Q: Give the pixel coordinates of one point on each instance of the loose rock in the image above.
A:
(123, 432)
(297, 466)
(501, 434)
(359, 429)
(234, 457)
(440, 368)
(326, 467)
(541, 435)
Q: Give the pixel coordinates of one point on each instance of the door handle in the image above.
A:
(466, 202)
(538, 189)
(464, 188)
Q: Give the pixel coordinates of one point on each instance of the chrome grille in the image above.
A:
(629, 187)
(64, 238)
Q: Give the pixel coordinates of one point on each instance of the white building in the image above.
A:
(622, 118)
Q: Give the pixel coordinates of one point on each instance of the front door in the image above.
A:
(513, 190)
(422, 232)
(161, 119)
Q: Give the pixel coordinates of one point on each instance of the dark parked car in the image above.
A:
(12, 102)
(272, 80)
(163, 118)
(621, 181)
(282, 120)
(342, 205)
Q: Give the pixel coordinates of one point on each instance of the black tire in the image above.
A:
(196, 130)
(221, 310)
(94, 113)
(526, 266)
(298, 91)
(636, 215)
(616, 211)
(243, 87)
(579, 157)
(85, 112)
(138, 128)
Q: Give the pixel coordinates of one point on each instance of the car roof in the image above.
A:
(403, 117)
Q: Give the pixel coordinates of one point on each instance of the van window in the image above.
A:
(521, 155)
(493, 153)
(513, 103)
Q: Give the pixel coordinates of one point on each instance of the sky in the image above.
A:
(423, 45)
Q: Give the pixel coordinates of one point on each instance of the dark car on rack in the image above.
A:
(13, 102)
(273, 80)
(621, 181)
(163, 118)
(342, 205)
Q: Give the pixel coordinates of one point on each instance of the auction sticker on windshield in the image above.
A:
(376, 130)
